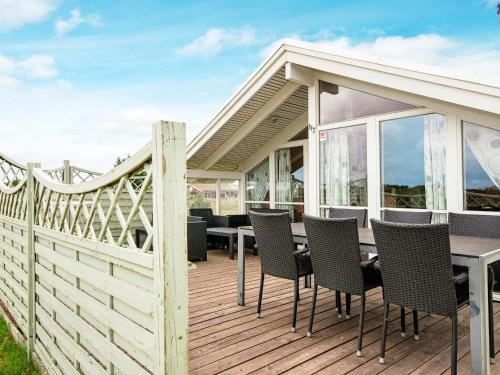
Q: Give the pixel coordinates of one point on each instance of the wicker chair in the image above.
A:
(336, 260)
(415, 263)
(250, 241)
(278, 257)
(344, 213)
(481, 226)
(407, 217)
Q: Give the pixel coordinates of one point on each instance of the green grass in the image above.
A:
(13, 357)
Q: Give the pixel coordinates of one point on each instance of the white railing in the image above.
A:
(85, 296)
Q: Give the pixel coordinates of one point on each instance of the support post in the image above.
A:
(170, 250)
(68, 172)
(30, 219)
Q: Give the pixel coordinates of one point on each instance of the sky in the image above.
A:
(84, 80)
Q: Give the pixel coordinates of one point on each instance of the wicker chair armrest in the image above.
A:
(460, 278)
(221, 221)
(303, 251)
(372, 262)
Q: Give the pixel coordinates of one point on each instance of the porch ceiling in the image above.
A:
(290, 102)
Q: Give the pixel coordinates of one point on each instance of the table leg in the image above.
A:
(241, 269)
(231, 247)
(307, 281)
(478, 299)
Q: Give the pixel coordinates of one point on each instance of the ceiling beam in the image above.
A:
(281, 96)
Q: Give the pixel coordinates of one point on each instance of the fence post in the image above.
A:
(30, 219)
(68, 172)
(169, 250)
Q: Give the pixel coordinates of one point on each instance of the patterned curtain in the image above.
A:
(485, 145)
(435, 162)
(335, 168)
(283, 175)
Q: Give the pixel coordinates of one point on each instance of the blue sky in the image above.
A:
(84, 79)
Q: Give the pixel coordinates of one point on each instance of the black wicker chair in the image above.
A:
(196, 238)
(407, 217)
(344, 213)
(415, 263)
(250, 241)
(481, 226)
(336, 260)
(278, 257)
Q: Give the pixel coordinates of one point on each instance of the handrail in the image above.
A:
(125, 168)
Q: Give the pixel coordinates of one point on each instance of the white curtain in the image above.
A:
(335, 167)
(435, 162)
(283, 175)
(485, 145)
(259, 182)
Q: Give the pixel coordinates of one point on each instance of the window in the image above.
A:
(257, 183)
(202, 193)
(289, 176)
(481, 159)
(337, 103)
(342, 166)
(229, 197)
(413, 171)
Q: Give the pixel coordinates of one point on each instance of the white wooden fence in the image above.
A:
(83, 294)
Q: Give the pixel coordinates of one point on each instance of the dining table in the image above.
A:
(475, 253)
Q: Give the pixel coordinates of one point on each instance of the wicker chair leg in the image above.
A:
(295, 302)
(361, 324)
(403, 322)
(261, 290)
(348, 306)
(491, 324)
(454, 329)
(415, 325)
(384, 333)
(313, 308)
(338, 304)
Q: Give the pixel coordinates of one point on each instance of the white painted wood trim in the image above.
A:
(170, 250)
(313, 149)
(299, 74)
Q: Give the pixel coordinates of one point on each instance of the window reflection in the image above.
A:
(481, 154)
(201, 193)
(339, 103)
(414, 162)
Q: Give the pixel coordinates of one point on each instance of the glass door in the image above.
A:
(290, 179)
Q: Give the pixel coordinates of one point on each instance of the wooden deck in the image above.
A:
(227, 338)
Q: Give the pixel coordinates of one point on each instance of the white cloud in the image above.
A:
(431, 53)
(76, 19)
(33, 67)
(16, 13)
(216, 39)
(38, 66)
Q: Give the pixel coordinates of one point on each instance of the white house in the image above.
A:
(311, 130)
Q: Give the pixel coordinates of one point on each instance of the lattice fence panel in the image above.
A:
(11, 173)
(111, 214)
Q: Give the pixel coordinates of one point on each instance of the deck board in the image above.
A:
(228, 339)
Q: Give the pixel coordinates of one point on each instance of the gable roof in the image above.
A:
(245, 122)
